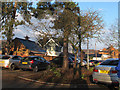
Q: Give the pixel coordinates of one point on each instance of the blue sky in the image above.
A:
(108, 10)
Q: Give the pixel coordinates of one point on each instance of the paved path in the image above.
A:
(15, 79)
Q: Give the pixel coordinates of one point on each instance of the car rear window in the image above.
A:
(5, 57)
(30, 58)
(58, 58)
(110, 62)
(91, 61)
(70, 59)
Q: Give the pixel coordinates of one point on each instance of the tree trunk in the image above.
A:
(75, 59)
(65, 50)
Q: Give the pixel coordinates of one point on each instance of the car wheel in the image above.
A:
(12, 67)
(35, 69)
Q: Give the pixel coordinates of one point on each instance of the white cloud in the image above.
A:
(21, 31)
(100, 9)
(19, 17)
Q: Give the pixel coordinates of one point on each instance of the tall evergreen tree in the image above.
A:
(42, 9)
(66, 21)
(66, 18)
(8, 19)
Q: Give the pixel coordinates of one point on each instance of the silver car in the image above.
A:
(105, 72)
(10, 61)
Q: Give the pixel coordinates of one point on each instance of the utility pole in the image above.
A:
(95, 51)
(87, 53)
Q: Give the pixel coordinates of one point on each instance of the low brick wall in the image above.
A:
(48, 58)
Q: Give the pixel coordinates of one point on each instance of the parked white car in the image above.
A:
(105, 72)
(84, 63)
(10, 61)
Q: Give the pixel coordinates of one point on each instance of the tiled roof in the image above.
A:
(31, 45)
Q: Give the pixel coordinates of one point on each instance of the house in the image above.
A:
(97, 57)
(94, 56)
(111, 51)
(91, 51)
(104, 51)
(100, 57)
(54, 46)
(3, 47)
(97, 54)
(105, 56)
(26, 47)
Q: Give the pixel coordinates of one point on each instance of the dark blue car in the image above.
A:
(34, 63)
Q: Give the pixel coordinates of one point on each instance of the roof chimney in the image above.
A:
(26, 37)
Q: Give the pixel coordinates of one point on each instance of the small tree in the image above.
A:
(111, 36)
(91, 24)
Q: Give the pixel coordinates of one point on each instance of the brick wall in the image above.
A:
(48, 58)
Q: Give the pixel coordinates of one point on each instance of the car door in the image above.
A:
(56, 60)
(4, 60)
(16, 60)
(38, 62)
(44, 64)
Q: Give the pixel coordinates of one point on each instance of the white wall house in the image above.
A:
(52, 48)
(70, 48)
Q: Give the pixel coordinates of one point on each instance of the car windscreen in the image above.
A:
(110, 62)
(41, 58)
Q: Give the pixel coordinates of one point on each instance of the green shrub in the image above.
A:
(56, 72)
(83, 76)
(91, 69)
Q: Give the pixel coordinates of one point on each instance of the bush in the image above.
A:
(57, 72)
(91, 69)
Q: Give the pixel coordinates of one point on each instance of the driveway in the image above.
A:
(11, 79)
